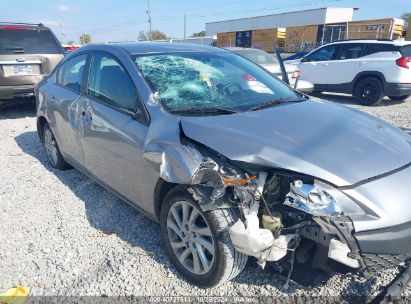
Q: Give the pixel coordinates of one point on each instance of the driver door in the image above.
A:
(114, 132)
(315, 67)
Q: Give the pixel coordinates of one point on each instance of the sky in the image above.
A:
(121, 20)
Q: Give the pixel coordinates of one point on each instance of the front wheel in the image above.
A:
(198, 243)
(399, 98)
(369, 91)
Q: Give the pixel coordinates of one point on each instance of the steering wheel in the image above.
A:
(226, 90)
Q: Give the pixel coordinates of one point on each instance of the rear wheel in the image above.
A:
(399, 98)
(198, 243)
(369, 91)
(54, 156)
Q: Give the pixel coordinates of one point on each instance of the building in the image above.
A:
(207, 40)
(301, 30)
(284, 20)
(408, 37)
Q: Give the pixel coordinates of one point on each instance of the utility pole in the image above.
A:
(63, 34)
(149, 20)
(185, 28)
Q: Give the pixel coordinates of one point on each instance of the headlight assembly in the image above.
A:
(321, 199)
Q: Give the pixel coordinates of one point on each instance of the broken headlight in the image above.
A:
(321, 199)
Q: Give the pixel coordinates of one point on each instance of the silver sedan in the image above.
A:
(229, 170)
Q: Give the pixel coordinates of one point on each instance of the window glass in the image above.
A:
(323, 54)
(373, 48)
(20, 39)
(209, 80)
(350, 51)
(110, 83)
(71, 73)
(257, 56)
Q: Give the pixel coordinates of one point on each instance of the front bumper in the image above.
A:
(11, 92)
(397, 89)
(385, 248)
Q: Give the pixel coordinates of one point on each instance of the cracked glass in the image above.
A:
(208, 80)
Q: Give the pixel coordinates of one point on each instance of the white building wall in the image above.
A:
(338, 14)
(307, 17)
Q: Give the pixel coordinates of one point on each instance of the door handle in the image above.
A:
(362, 63)
(324, 64)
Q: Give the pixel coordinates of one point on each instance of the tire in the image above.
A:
(369, 91)
(224, 263)
(399, 98)
(54, 156)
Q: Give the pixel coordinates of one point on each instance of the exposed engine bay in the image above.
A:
(283, 215)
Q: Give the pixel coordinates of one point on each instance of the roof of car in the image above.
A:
(383, 41)
(154, 47)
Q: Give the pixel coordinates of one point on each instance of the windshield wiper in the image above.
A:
(273, 102)
(204, 110)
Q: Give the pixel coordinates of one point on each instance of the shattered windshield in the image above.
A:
(204, 81)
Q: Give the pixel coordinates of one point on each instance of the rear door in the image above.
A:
(315, 66)
(348, 63)
(112, 136)
(26, 54)
(64, 106)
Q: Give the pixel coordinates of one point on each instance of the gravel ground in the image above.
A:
(62, 234)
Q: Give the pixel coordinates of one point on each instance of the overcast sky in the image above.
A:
(109, 20)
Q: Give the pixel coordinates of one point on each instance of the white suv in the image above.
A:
(367, 69)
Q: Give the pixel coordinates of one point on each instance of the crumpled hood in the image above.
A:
(332, 142)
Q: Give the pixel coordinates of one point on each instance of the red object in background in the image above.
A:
(13, 27)
(71, 48)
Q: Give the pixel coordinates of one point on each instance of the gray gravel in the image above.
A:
(62, 234)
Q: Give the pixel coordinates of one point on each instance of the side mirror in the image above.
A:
(304, 59)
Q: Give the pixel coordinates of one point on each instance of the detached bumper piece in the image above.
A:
(393, 293)
(375, 263)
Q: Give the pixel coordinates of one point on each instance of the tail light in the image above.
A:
(248, 77)
(296, 74)
(403, 62)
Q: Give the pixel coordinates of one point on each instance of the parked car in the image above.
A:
(70, 47)
(367, 69)
(228, 171)
(271, 64)
(28, 52)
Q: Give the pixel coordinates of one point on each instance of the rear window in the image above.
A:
(17, 39)
(372, 48)
(406, 50)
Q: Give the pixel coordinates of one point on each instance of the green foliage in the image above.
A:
(155, 35)
(85, 39)
(199, 34)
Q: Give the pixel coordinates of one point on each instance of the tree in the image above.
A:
(85, 38)
(155, 35)
(71, 42)
(406, 16)
(199, 34)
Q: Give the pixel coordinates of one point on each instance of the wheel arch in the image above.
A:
(41, 121)
(369, 74)
(160, 192)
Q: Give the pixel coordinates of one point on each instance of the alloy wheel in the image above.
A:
(190, 237)
(51, 147)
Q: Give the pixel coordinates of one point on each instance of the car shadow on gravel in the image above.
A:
(349, 100)
(108, 214)
(18, 109)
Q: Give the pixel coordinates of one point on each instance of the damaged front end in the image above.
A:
(282, 213)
